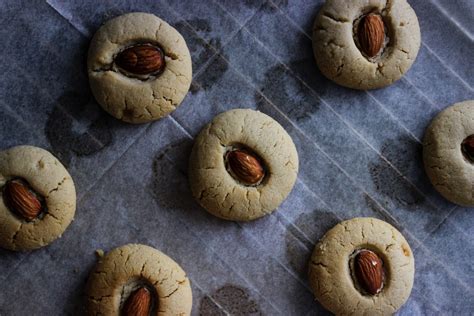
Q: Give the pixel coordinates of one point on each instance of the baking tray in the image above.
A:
(360, 154)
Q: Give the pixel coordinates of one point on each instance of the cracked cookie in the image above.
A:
(37, 200)
(362, 266)
(365, 44)
(448, 153)
(137, 279)
(139, 67)
(243, 165)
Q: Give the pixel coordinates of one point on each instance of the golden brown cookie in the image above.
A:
(365, 44)
(139, 67)
(362, 266)
(243, 165)
(136, 274)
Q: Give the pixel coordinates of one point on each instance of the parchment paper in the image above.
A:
(360, 154)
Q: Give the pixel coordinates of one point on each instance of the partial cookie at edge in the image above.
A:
(123, 268)
(449, 171)
(48, 177)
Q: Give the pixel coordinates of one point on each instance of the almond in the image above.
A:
(245, 167)
(21, 199)
(138, 303)
(143, 59)
(371, 34)
(467, 148)
(369, 271)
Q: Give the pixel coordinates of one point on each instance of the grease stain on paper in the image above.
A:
(77, 127)
(231, 300)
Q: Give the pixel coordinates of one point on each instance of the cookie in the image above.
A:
(362, 266)
(448, 153)
(243, 165)
(38, 198)
(363, 44)
(135, 272)
(139, 67)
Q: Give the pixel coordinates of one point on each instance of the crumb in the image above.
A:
(99, 253)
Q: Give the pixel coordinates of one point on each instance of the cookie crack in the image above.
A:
(339, 70)
(175, 73)
(174, 291)
(170, 101)
(148, 111)
(16, 234)
(53, 216)
(60, 183)
(158, 30)
(334, 18)
(320, 264)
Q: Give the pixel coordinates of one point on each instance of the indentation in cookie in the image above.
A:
(76, 126)
(229, 300)
(371, 35)
(467, 148)
(138, 298)
(367, 271)
(244, 165)
(141, 60)
(22, 200)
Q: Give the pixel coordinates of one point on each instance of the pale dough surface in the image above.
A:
(117, 273)
(212, 185)
(450, 172)
(330, 276)
(138, 100)
(48, 177)
(336, 52)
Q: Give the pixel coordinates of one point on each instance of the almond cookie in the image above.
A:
(137, 279)
(38, 198)
(365, 44)
(362, 266)
(243, 165)
(448, 153)
(139, 67)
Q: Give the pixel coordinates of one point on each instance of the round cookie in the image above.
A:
(365, 53)
(129, 268)
(139, 67)
(38, 198)
(224, 150)
(333, 269)
(448, 153)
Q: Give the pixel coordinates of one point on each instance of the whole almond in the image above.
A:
(371, 34)
(138, 303)
(21, 199)
(369, 271)
(467, 148)
(143, 59)
(245, 167)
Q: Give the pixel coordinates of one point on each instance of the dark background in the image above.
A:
(360, 154)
